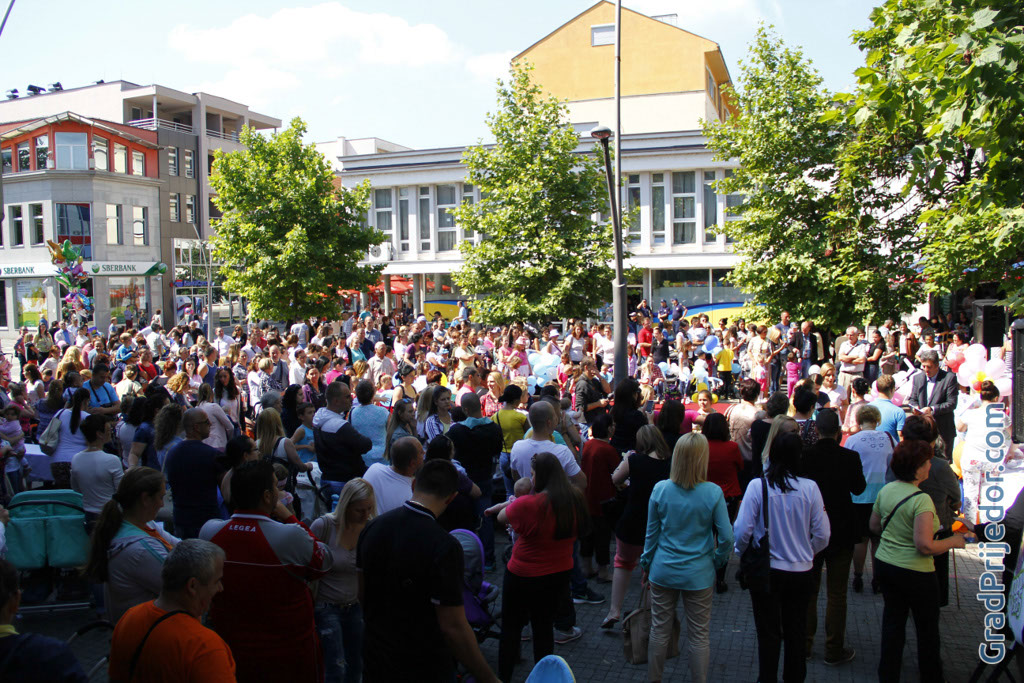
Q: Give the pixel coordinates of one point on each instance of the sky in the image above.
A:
(420, 74)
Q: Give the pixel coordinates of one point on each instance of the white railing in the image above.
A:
(153, 124)
(223, 136)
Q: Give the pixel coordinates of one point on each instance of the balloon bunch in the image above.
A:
(79, 302)
(711, 346)
(545, 368)
(71, 274)
(975, 368)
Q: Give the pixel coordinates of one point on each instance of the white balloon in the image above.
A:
(976, 351)
(995, 369)
(531, 382)
(1005, 385)
(699, 375)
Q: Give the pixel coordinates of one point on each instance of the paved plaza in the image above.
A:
(597, 656)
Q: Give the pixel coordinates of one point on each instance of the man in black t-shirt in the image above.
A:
(194, 471)
(410, 585)
(591, 391)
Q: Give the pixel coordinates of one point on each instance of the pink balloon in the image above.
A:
(897, 399)
(1004, 385)
(995, 369)
(976, 351)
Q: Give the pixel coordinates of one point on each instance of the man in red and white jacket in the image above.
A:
(265, 613)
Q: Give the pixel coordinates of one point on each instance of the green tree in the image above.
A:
(942, 95)
(288, 238)
(541, 255)
(805, 241)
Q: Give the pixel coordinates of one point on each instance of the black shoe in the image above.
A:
(858, 583)
(721, 586)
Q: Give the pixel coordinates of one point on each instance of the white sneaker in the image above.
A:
(563, 637)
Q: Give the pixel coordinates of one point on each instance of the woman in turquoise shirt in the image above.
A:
(685, 515)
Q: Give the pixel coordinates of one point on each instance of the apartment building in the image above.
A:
(185, 129)
(671, 80)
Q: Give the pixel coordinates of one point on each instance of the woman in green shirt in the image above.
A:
(904, 516)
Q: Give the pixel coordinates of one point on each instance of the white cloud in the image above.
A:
(320, 37)
(255, 86)
(709, 19)
(490, 66)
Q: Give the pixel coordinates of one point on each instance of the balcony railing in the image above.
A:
(229, 135)
(153, 124)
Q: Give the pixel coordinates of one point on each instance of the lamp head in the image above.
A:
(602, 133)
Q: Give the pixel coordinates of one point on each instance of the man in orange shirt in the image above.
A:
(163, 640)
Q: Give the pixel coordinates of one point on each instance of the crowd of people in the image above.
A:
(320, 466)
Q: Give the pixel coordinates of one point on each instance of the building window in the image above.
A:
(190, 165)
(633, 202)
(14, 214)
(140, 226)
(6, 159)
(35, 214)
(138, 163)
(712, 89)
(190, 209)
(100, 153)
(127, 297)
(658, 208)
(120, 158)
(602, 35)
(42, 152)
(73, 224)
(684, 208)
(710, 201)
(689, 286)
(732, 204)
(468, 197)
(115, 224)
(72, 151)
(29, 302)
(382, 211)
(723, 291)
(403, 219)
(175, 213)
(3, 304)
(24, 157)
(446, 203)
(172, 161)
(424, 218)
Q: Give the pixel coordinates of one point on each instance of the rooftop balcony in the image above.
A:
(154, 124)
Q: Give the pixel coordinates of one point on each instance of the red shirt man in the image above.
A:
(644, 338)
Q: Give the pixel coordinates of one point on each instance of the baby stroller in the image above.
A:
(478, 596)
(46, 538)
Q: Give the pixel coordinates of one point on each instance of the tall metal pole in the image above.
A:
(619, 316)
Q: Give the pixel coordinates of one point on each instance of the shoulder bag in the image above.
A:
(897, 507)
(50, 438)
(138, 651)
(756, 560)
(636, 631)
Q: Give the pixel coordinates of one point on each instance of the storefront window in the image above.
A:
(127, 296)
(689, 286)
(722, 291)
(3, 304)
(30, 301)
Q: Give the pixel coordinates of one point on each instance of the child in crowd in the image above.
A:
(19, 398)
(792, 372)
(303, 437)
(281, 472)
(522, 487)
(385, 390)
(14, 457)
(725, 358)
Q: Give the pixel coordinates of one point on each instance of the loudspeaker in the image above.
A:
(989, 323)
(1017, 386)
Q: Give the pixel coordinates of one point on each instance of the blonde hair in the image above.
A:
(73, 354)
(499, 380)
(354, 491)
(777, 423)
(179, 383)
(359, 369)
(424, 403)
(690, 460)
(649, 439)
(269, 429)
(266, 365)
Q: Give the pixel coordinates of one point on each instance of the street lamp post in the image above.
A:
(604, 134)
(209, 283)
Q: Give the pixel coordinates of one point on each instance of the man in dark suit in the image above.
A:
(805, 342)
(838, 473)
(934, 392)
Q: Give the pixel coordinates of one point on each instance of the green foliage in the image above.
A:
(942, 88)
(541, 256)
(805, 244)
(288, 238)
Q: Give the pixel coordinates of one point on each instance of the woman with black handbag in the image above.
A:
(793, 528)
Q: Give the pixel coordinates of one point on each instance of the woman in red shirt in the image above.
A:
(724, 466)
(537, 577)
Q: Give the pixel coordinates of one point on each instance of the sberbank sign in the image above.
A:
(92, 268)
(9, 271)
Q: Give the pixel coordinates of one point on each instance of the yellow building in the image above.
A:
(671, 80)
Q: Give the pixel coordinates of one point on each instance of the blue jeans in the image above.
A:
(487, 523)
(504, 464)
(341, 635)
